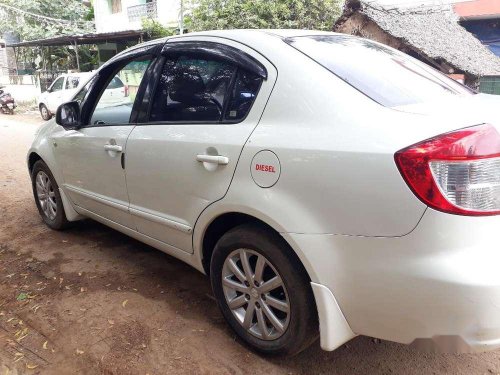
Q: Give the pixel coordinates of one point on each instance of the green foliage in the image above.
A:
(40, 19)
(29, 27)
(155, 29)
(263, 14)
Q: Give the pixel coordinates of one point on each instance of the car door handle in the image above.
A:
(214, 159)
(115, 148)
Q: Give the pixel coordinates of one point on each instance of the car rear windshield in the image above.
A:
(386, 75)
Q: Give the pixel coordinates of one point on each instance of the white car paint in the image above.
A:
(380, 261)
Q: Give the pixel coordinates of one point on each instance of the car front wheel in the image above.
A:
(47, 196)
(263, 291)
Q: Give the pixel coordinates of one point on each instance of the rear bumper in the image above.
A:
(436, 288)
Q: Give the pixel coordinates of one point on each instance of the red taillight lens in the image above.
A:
(126, 90)
(457, 172)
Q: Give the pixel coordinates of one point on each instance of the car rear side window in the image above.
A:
(199, 89)
(72, 83)
(245, 89)
(386, 75)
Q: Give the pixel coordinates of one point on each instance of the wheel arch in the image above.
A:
(33, 157)
(69, 210)
(222, 223)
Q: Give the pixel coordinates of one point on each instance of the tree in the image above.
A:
(38, 19)
(263, 14)
(155, 29)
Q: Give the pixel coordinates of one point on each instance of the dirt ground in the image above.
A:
(90, 300)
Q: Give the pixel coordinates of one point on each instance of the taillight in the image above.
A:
(126, 90)
(457, 172)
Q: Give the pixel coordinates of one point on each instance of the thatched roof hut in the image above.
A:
(431, 34)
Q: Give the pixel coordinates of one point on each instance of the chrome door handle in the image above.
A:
(115, 148)
(214, 159)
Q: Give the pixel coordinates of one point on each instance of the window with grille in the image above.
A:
(490, 85)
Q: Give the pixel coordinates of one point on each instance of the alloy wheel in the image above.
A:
(256, 294)
(46, 195)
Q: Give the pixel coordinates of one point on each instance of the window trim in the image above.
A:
(192, 49)
(219, 51)
(90, 81)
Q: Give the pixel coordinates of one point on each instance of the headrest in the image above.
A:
(187, 86)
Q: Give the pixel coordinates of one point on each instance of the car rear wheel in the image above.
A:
(263, 291)
(44, 112)
(47, 196)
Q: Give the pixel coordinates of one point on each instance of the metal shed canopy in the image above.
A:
(65, 40)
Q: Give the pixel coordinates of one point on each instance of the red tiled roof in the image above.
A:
(478, 9)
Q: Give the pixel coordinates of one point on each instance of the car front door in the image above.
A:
(91, 156)
(208, 98)
(55, 92)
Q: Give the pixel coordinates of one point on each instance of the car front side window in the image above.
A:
(57, 85)
(115, 103)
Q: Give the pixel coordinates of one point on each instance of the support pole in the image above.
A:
(181, 26)
(49, 52)
(77, 57)
(15, 58)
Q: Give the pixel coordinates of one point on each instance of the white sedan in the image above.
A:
(67, 85)
(328, 185)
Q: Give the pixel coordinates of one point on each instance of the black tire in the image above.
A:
(45, 113)
(303, 328)
(59, 221)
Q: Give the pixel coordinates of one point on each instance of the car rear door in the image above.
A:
(91, 156)
(208, 97)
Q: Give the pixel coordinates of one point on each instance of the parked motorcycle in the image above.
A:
(7, 102)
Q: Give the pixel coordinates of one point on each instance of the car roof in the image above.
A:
(80, 74)
(235, 34)
(248, 33)
(251, 37)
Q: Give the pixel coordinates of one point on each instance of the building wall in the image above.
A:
(167, 13)
(482, 18)
(3, 58)
(487, 31)
(8, 63)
